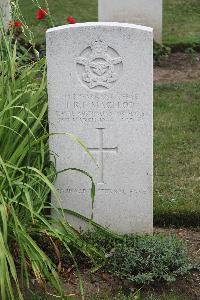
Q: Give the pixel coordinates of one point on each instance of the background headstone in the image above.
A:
(5, 12)
(142, 12)
(100, 88)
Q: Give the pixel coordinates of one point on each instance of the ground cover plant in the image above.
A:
(142, 259)
(149, 258)
(180, 17)
(176, 154)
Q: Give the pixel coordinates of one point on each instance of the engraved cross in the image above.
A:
(101, 150)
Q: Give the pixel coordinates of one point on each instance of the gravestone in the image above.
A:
(5, 12)
(142, 12)
(100, 89)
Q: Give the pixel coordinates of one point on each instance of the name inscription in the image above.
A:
(100, 108)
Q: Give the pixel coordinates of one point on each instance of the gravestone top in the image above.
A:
(143, 12)
(100, 88)
(99, 24)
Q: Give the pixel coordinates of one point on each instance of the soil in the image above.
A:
(178, 67)
(101, 283)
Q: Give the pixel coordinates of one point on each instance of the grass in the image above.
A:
(81, 10)
(180, 17)
(181, 22)
(176, 153)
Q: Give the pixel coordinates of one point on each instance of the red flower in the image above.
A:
(41, 13)
(18, 24)
(15, 24)
(71, 20)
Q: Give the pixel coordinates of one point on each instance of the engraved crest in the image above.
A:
(100, 66)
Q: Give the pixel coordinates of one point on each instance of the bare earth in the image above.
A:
(178, 67)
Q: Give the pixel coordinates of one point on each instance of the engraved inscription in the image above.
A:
(99, 66)
(106, 191)
(101, 150)
(100, 107)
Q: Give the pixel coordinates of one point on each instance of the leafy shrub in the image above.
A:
(144, 259)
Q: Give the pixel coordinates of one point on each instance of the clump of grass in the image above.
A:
(26, 179)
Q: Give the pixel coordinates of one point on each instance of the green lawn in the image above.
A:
(176, 152)
(181, 22)
(181, 17)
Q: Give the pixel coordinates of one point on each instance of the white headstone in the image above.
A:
(5, 12)
(100, 88)
(142, 12)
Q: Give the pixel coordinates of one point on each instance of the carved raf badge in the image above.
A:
(100, 66)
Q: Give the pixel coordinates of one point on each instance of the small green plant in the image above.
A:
(160, 52)
(144, 259)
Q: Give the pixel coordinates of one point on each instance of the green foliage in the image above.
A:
(160, 52)
(181, 22)
(102, 239)
(144, 259)
(26, 178)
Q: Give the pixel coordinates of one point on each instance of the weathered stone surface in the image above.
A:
(142, 12)
(100, 89)
(5, 12)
